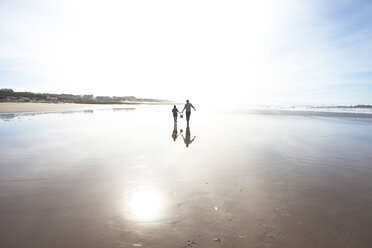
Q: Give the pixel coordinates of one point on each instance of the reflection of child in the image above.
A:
(175, 111)
(175, 132)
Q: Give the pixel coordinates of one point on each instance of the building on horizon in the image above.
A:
(6, 90)
(88, 97)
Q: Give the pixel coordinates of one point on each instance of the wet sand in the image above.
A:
(10, 107)
(118, 179)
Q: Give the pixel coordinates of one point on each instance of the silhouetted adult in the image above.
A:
(188, 139)
(175, 113)
(188, 107)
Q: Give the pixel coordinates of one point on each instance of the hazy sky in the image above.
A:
(287, 50)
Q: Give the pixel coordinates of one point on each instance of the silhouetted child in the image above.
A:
(175, 113)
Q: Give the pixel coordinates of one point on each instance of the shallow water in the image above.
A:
(127, 177)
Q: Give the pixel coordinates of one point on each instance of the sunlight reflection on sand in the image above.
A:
(144, 203)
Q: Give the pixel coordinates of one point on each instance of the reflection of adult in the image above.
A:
(175, 132)
(188, 107)
(188, 140)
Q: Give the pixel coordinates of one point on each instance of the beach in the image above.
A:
(14, 107)
(82, 176)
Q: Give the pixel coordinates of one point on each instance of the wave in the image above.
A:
(359, 106)
(358, 111)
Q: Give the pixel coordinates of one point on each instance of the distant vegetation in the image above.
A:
(8, 95)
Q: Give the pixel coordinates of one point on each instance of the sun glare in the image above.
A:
(144, 204)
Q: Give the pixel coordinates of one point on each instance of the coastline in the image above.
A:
(14, 107)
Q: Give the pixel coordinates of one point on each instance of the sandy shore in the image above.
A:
(119, 179)
(6, 107)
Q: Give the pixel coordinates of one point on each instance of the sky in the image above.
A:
(304, 51)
